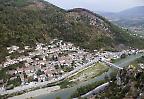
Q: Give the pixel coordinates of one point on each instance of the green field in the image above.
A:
(89, 73)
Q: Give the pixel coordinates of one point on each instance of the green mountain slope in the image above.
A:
(25, 22)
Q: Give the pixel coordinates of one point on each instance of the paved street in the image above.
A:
(36, 85)
(96, 90)
(111, 64)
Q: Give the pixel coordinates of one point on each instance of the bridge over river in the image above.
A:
(66, 93)
(111, 64)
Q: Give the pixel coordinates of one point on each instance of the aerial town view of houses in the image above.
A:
(71, 49)
(47, 64)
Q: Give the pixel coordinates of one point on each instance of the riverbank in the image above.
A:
(36, 93)
(41, 84)
(66, 93)
(89, 73)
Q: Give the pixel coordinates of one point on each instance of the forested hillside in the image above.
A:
(25, 22)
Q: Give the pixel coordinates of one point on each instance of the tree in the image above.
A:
(73, 63)
(123, 56)
(39, 72)
(58, 97)
(56, 66)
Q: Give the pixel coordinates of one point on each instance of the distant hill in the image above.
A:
(128, 13)
(132, 12)
(25, 22)
(132, 18)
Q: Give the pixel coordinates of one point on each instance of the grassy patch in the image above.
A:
(115, 60)
(89, 73)
(65, 84)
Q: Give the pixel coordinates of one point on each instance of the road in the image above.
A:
(67, 92)
(111, 64)
(41, 84)
(96, 90)
(103, 86)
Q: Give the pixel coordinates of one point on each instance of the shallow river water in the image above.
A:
(66, 93)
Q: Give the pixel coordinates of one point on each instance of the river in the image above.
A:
(66, 93)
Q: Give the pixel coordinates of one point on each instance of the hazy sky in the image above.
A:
(98, 5)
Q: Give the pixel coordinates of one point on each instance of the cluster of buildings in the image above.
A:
(47, 62)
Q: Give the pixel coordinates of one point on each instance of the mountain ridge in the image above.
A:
(26, 22)
(137, 11)
(132, 18)
(133, 12)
